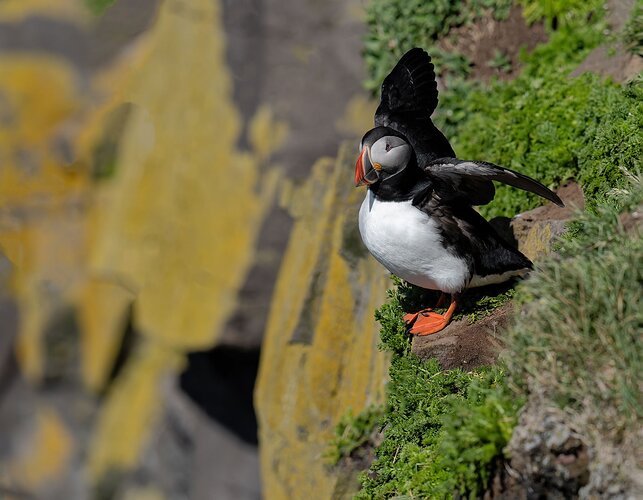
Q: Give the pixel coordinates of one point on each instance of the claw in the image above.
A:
(410, 318)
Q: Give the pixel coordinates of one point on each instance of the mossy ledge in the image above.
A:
(575, 348)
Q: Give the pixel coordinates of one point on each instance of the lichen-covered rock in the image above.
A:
(536, 230)
(320, 355)
(547, 456)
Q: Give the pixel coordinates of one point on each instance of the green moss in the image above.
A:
(354, 432)
(443, 430)
(632, 35)
(395, 26)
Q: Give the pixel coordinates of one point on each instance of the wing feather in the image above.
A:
(467, 176)
(409, 89)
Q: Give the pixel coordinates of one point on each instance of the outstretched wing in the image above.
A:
(410, 89)
(471, 180)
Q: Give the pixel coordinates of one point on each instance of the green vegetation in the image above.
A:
(354, 432)
(577, 345)
(399, 25)
(553, 130)
(633, 32)
(442, 428)
(560, 12)
(500, 61)
(98, 6)
(579, 339)
(545, 124)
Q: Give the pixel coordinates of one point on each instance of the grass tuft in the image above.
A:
(578, 340)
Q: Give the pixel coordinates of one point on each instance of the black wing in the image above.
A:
(410, 89)
(470, 180)
(409, 97)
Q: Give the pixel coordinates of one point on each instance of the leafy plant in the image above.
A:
(443, 431)
(578, 342)
(500, 61)
(633, 32)
(553, 130)
(396, 26)
(559, 12)
(354, 432)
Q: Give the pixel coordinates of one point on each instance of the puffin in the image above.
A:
(418, 217)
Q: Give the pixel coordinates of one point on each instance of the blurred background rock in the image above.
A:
(156, 163)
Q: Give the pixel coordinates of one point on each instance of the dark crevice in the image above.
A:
(221, 382)
(126, 347)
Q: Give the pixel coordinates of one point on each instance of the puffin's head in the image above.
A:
(384, 153)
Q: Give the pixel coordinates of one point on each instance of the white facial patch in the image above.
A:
(391, 152)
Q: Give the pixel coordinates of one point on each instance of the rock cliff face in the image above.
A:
(139, 234)
(320, 356)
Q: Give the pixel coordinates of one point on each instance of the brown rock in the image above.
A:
(613, 61)
(465, 345)
(536, 229)
(548, 457)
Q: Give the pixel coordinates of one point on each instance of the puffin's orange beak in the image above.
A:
(364, 171)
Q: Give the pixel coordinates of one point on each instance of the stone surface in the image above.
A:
(466, 345)
(548, 458)
(536, 230)
(139, 215)
(320, 355)
(613, 60)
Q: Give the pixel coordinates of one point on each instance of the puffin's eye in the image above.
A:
(388, 147)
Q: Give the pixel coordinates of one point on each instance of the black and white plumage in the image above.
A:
(418, 218)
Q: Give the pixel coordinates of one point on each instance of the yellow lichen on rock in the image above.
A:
(102, 317)
(319, 356)
(47, 453)
(537, 242)
(267, 134)
(186, 205)
(38, 97)
(174, 226)
(130, 410)
(41, 194)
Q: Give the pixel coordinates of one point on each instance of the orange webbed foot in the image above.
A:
(427, 322)
(410, 318)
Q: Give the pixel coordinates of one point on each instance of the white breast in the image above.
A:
(406, 241)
